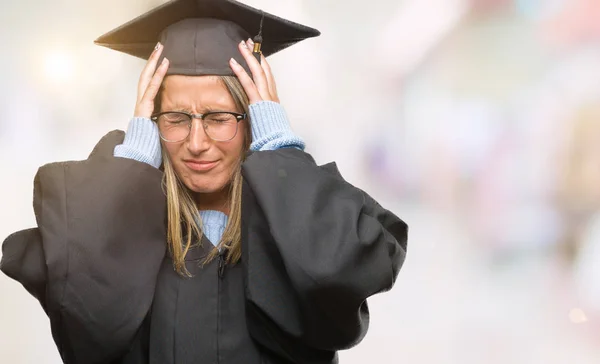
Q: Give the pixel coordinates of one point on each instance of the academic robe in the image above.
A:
(314, 248)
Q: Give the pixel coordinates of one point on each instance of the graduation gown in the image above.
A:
(314, 248)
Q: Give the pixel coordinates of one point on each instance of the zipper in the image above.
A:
(222, 263)
(220, 273)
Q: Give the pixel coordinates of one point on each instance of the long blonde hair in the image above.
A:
(184, 227)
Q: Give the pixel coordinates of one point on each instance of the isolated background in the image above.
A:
(478, 122)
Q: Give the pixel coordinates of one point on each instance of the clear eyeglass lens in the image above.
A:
(175, 127)
(221, 126)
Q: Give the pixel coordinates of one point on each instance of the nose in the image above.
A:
(198, 141)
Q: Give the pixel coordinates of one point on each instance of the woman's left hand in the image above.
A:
(261, 86)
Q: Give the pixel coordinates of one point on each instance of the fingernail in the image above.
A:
(164, 61)
(243, 43)
(250, 42)
(157, 46)
(232, 60)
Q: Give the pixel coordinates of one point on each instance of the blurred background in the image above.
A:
(476, 121)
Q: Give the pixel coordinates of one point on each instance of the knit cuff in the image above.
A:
(270, 128)
(141, 143)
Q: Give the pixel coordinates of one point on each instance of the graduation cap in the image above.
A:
(200, 36)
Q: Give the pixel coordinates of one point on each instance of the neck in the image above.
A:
(218, 201)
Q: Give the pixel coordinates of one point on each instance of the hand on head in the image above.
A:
(261, 86)
(149, 83)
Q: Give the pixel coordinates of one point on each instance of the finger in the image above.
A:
(258, 75)
(250, 46)
(271, 85)
(246, 81)
(270, 79)
(154, 85)
(149, 69)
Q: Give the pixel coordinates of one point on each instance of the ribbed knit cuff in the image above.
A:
(213, 225)
(270, 128)
(141, 143)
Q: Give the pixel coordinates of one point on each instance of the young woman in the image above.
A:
(205, 233)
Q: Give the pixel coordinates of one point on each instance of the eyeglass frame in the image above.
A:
(238, 117)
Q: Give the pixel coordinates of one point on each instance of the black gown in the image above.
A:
(314, 248)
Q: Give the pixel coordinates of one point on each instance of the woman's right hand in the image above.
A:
(149, 84)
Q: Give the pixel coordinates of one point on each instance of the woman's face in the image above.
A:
(205, 166)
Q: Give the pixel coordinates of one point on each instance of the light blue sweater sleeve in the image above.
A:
(141, 143)
(271, 130)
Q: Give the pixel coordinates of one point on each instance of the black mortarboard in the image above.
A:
(200, 36)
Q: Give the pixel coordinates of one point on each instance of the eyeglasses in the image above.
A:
(175, 126)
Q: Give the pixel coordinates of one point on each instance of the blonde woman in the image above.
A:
(205, 233)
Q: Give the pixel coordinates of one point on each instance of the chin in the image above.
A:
(205, 185)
